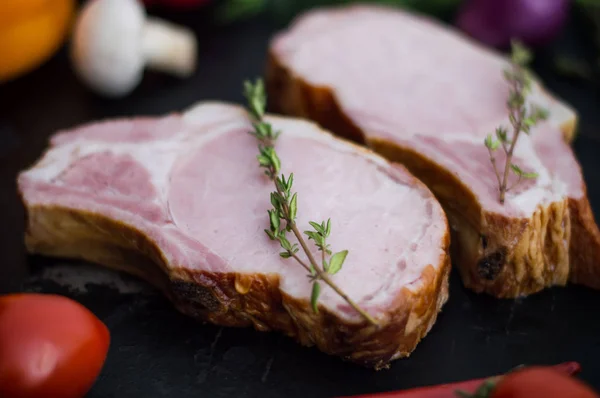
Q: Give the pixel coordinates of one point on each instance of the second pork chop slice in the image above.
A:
(180, 200)
(426, 96)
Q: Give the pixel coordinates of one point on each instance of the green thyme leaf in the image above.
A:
(285, 254)
(274, 219)
(490, 143)
(263, 160)
(336, 262)
(263, 130)
(529, 122)
(538, 114)
(312, 235)
(275, 200)
(502, 134)
(520, 54)
(293, 207)
(285, 243)
(509, 75)
(516, 169)
(530, 175)
(276, 163)
(328, 228)
(256, 97)
(317, 227)
(314, 297)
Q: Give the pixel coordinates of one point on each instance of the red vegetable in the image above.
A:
(50, 346)
(449, 390)
(537, 382)
(495, 22)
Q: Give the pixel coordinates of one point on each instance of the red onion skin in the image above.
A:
(496, 22)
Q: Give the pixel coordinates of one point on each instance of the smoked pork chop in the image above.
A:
(424, 95)
(180, 201)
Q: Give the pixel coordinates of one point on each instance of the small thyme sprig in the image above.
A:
(282, 217)
(520, 118)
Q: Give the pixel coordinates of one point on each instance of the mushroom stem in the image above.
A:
(169, 48)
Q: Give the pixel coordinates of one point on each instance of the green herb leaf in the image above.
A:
(317, 227)
(274, 219)
(538, 114)
(263, 130)
(312, 235)
(515, 100)
(263, 160)
(502, 134)
(520, 54)
(270, 234)
(314, 297)
(285, 254)
(256, 97)
(289, 183)
(276, 163)
(490, 143)
(285, 243)
(336, 262)
(293, 207)
(530, 175)
(281, 185)
(275, 200)
(516, 169)
(328, 228)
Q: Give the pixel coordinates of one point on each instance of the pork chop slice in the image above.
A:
(180, 201)
(424, 95)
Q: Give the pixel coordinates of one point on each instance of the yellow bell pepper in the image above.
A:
(31, 31)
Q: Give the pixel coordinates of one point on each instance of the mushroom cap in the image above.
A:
(106, 47)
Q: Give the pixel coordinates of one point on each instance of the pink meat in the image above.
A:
(422, 93)
(191, 185)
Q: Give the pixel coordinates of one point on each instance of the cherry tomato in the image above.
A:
(50, 346)
(537, 382)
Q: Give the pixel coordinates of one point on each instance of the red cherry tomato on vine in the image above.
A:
(50, 347)
(537, 382)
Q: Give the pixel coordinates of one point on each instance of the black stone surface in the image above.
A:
(157, 352)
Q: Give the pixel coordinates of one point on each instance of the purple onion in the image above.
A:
(496, 22)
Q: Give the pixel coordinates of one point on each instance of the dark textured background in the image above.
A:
(156, 352)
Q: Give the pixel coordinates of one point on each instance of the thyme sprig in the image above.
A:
(282, 216)
(521, 120)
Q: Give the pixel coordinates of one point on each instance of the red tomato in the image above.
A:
(537, 382)
(50, 346)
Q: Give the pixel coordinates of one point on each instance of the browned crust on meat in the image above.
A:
(241, 300)
(585, 241)
(505, 257)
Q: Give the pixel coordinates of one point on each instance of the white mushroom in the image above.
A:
(114, 41)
